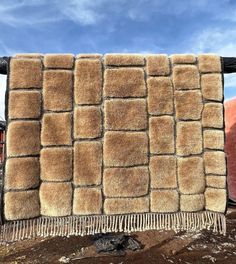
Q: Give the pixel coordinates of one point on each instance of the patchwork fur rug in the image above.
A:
(113, 143)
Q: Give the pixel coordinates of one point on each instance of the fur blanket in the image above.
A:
(119, 142)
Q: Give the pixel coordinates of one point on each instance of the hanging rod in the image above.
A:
(229, 64)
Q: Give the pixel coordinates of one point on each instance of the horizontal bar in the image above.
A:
(4, 65)
(229, 64)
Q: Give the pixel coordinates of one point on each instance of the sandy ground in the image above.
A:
(158, 247)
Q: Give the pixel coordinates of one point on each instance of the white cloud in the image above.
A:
(36, 12)
(230, 81)
(216, 40)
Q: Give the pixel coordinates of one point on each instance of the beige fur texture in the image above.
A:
(160, 95)
(56, 129)
(164, 201)
(125, 114)
(163, 171)
(57, 90)
(64, 61)
(216, 181)
(213, 139)
(215, 162)
(186, 77)
(191, 175)
(212, 115)
(212, 86)
(21, 205)
(87, 201)
(93, 135)
(24, 104)
(209, 63)
(87, 163)
(126, 182)
(124, 59)
(22, 173)
(192, 203)
(25, 73)
(189, 138)
(125, 148)
(188, 105)
(88, 81)
(89, 56)
(215, 200)
(55, 198)
(28, 56)
(126, 205)
(87, 122)
(164, 127)
(158, 64)
(56, 164)
(183, 58)
(23, 138)
(124, 82)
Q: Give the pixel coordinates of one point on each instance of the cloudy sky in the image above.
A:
(140, 26)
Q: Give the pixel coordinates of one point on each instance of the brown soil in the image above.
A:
(158, 247)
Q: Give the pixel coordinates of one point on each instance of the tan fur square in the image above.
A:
(56, 164)
(55, 198)
(126, 205)
(164, 201)
(124, 59)
(126, 182)
(192, 203)
(21, 205)
(209, 63)
(87, 163)
(212, 87)
(215, 162)
(215, 200)
(160, 95)
(212, 115)
(28, 56)
(163, 172)
(57, 90)
(188, 105)
(88, 56)
(183, 58)
(124, 82)
(125, 148)
(158, 64)
(24, 104)
(25, 73)
(58, 61)
(23, 138)
(88, 81)
(21, 173)
(87, 201)
(87, 122)
(216, 181)
(189, 138)
(191, 176)
(186, 77)
(56, 129)
(161, 133)
(213, 139)
(125, 114)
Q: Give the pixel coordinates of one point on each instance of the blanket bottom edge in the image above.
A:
(96, 224)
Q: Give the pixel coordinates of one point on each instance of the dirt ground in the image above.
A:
(158, 247)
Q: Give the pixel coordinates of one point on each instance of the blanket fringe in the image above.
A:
(90, 225)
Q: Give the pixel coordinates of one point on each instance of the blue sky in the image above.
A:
(139, 26)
